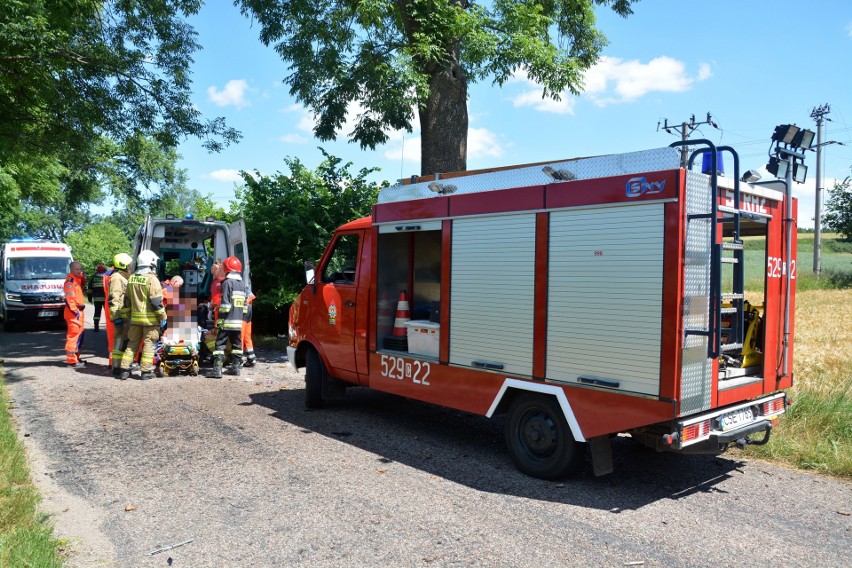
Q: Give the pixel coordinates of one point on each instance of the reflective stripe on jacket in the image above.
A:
(96, 288)
(233, 302)
(146, 298)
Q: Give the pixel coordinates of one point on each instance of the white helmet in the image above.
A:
(147, 258)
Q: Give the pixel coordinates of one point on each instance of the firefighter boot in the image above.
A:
(250, 359)
(236, 363)
(216, 373)
(146, 375)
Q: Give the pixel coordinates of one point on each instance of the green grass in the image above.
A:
(817, 431)
(835, 263)
(26, 539)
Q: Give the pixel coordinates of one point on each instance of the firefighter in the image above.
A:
(229, 322)
(147, 315)
(96, 294)
(248, 345)
(118, 310)
(75, 305)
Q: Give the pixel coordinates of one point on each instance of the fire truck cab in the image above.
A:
(582, 298)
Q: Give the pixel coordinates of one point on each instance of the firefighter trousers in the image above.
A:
(99, 306)
(120, 338)
(147, 335)
(74, 336)
(222, 338)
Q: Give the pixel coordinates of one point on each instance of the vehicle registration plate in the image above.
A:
(736, 418)
(48, 313)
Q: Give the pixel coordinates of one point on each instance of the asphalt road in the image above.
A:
(241, 470)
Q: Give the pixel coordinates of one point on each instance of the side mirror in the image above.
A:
(309, 275)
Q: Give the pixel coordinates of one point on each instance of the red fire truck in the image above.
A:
(582, 298)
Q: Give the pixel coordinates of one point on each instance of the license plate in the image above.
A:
(736, 418)
(48, 314)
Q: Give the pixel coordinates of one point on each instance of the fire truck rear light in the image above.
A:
(773, 406)
(669, 438)
(695, 431)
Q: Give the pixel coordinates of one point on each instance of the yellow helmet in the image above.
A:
(122, 260)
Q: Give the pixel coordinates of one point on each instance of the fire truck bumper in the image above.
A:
(713, 431)
(291, 357)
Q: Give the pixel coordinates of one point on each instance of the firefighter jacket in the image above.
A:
(73, 288)
(145, 294)
(119, 301)
(96, 288)
(233, 302)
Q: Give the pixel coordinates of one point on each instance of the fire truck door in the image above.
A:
(337, 294)
(239, 248)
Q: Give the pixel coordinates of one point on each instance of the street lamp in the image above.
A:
(791, 142)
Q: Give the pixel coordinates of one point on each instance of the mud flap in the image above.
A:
(601, 449)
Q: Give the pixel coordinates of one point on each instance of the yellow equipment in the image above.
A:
(752, 352)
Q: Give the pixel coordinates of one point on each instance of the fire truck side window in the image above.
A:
(342, 263)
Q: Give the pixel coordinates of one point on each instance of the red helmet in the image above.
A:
(232, 264)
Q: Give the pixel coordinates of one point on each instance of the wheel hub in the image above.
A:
(539, 434)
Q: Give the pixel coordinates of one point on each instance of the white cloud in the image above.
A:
(533, 98)
(613, 80)
(849, 29)
(481, 142)
(229, 176)
(406, 150)
(293, 139)
(234, 94)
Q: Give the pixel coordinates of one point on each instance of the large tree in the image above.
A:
(393, 56)
(75, 70)
(88, 88)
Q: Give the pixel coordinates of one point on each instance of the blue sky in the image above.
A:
(751, 64)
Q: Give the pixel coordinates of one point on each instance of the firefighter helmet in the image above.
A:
(121, 261)
(147, 258)
(232, 264)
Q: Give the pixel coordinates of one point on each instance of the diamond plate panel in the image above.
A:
(696, 368)
(582, 168)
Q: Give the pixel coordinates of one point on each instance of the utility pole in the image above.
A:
(819, 115)
(686, 129)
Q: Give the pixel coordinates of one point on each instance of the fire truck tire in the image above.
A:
(539, 438)
(314, 374)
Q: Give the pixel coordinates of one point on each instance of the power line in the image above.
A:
(686, 129)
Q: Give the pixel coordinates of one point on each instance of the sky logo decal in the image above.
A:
(639, 185)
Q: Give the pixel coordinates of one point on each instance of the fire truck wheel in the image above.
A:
(314, 374)
(539, 439)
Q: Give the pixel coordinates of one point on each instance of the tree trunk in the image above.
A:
(443, 122)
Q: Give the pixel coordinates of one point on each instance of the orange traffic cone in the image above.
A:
(403, 315)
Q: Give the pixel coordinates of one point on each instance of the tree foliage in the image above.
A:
(838, 216)
(92, 93)
(74, 70)
(391, 57)
(290, 218)
(97, 243)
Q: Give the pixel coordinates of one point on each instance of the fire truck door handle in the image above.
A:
(349, 304)
(487, 365)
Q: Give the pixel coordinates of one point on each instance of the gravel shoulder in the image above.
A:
(252, 478)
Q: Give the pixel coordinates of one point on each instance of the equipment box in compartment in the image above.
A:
(423, 338)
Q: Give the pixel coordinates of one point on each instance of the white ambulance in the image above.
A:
(31, 276)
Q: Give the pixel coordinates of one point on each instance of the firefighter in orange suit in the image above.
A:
(75, 305)
(118, 310)
(147, 315)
